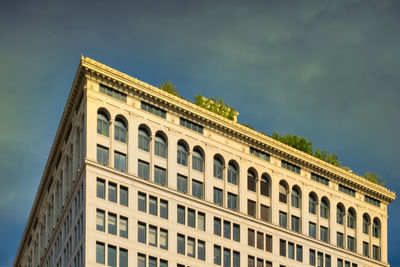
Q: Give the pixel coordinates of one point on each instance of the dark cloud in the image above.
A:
(324, 70)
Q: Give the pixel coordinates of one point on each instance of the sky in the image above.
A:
(325, 70)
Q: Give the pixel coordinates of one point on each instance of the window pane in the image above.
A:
(102, 155)
(227, 229)
(282, 219)
(217, 226)
(197, 189)
(191, 218)
(100, 220)
(160, 147)
(123, 195)
(163, 209)
(217, 255)
(268, 243)
(218, 198)
(236, 232)
(312, 230)
(312, 257)
(123, 257)
(144, 140)
(160, 176)
(291, 250)
(299, 253)
(201, 250)
(181, 244)
(142, 232)
(123, 227)
(141, 260)
(182, 184)
(112, 223)
(163, 263)
(143, 169)
(250, 237)
(260, 240)
(191, 247)
(282, 247)
(251, 208)
(218, 168)
(153, 236)
(232, 201)
(100, 258)
(181, 214)
(264, 213)
(236, 259)
(201, 221)
(295, 224)
(142, 202)
(152, 262)
(164, 239)
(227, 257)
(119, 161)
(101, 189)
(112, 192)
(153, 205)
(112, 256)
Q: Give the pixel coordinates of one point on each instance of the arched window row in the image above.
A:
(120, 125)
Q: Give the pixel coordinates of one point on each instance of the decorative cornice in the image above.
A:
(235, 130)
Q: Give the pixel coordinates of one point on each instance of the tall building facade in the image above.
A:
(139, 177)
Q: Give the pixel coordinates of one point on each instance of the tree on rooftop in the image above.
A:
(169, 88)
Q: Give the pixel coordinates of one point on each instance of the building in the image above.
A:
(139, 177)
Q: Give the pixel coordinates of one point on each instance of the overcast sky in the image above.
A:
(325, 70)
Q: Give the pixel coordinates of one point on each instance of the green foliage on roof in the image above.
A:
(169, 88)
(216, 106)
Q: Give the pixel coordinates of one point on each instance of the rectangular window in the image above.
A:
(123, 226)
(259, 154)
(191, 125)
(153, 109)
(142, 232)
(191, 247)
(250, 237)
(339, 263)
(123, 195)
(181, 214)
(320, 259)
(264, 213)
(112, 223)
(164, 239)
(327, 260)
(201, 221)
(312, 231)
(299, 253)
(289, 166)
(201, 250)
(143, 169)
(312, 257)
(227, 257)
(141, 260)
(164, 209)
(282, 219)
(232, 201)
(100, 220)
(197, 189)
(339, 240)
(191, 218)
(101, 188)
(218, 197)
(376, 252)
(295, 223)
(260, 262)
(153, 210)
(260, 240)
(351, 245)
(152, 236)
(366, 249)
(251, 208)
(227, 229)
(251, 261)
(217, 226)
(100, 251)
(112, 92)
(282, 247)
(142, 199)
(160, 176)
(181, 244)
(182, 184)
(119, 161)
(123, 257)
(236, 232)
(320, 179)
(217, 255)
(102, 155)
(347, 190)
(291, 250)
(268, 243)
(324, 234)
(112, 192)
(236, 259)
(152, 261)
(163, 263)
(372, 201)
(112, 256)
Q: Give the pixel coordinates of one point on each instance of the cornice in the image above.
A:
(235, 130)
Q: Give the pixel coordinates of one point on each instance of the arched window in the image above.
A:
(265, 185)
(296, 197)
(324, 208)
(251, 181)
(339, 213)
(312, 203)
(103, 123)
(376, 228)
(160, 146)
(351, 218)
(182, 154)
(232, 173)
(120, 130)
(366, 223)
(144, 139)
(218, 168)
(197, 160)
(283, 192)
